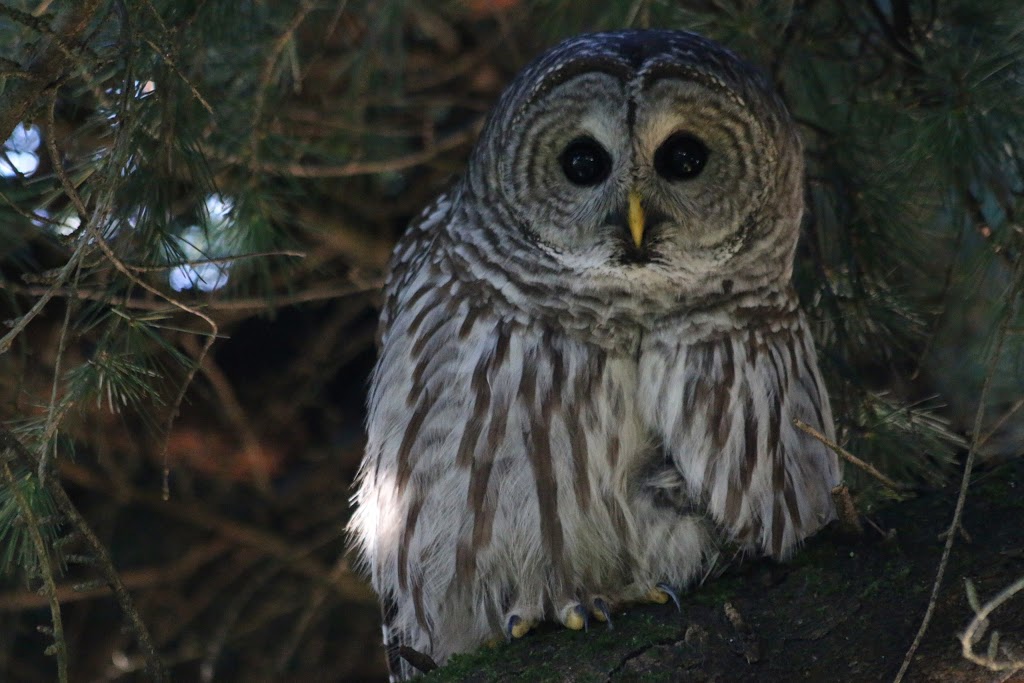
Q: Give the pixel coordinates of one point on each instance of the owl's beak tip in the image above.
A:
(635, 218)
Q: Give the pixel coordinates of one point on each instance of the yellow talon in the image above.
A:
(575, 619)
(598, 614)
(521, 628)
(657, 596)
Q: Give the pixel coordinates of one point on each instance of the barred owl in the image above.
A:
(591, 352)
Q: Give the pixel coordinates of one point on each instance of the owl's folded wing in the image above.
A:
(725, 412)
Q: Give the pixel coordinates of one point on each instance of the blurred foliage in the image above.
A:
(196, 216)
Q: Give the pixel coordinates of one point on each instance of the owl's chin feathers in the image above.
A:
(614, 306)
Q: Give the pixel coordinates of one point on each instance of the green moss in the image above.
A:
(596, 650)
(715, 592)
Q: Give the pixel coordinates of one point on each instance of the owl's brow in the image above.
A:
(606, 65)
(658, 71)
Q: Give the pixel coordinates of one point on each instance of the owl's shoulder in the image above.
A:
(413, 253)
(414, 247)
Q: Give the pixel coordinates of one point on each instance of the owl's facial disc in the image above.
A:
(653, 161)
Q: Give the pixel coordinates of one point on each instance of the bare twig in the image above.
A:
(850, 457)
(316, 602)
(1001, 421)
(1016, 281)
(213, 304)
(977, 626)
(345, 586)
(228, 400)
(44, 295)
(355, 168)
(54, 415)
(154, 664)
(135, 579)
(229, 617)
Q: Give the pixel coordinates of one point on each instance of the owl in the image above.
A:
(591, 353)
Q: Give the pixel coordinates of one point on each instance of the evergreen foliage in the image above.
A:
(180, 173)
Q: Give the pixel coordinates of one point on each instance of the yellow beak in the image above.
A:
(636, 218)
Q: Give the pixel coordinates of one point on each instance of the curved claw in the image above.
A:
(602, 612)
(576, 618)
(670, 592)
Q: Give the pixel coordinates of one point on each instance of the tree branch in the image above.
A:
(105, 564)
(53, 60)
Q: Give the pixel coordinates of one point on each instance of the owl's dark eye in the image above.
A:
(681, 157)
(585, 162)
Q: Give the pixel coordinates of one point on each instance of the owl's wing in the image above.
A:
(459, 409)
(405, 400)
(725, 412)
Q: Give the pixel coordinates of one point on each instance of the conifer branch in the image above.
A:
(105, 564)
(100, 240)
(42, 555)
(268, 73)
(54, 59)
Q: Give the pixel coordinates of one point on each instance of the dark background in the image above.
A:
(177, 165)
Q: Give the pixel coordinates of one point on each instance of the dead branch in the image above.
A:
(345, 586)
(976, 629)
(135, 579)
(850, 457)
(1017, 280)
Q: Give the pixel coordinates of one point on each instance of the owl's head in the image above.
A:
(643, 161)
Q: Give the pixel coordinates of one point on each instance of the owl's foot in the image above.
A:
(575, 616)
(518, 627)
(661, 594)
